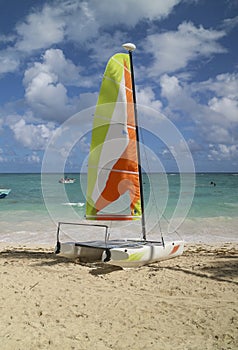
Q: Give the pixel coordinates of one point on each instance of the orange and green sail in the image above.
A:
(113, 172)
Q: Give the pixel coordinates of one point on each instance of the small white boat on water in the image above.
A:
(114, 170)
(67, 180)
(4, 192)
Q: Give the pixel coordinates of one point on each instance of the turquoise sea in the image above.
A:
(29, 214)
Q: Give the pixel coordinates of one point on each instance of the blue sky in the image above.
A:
(53, 54)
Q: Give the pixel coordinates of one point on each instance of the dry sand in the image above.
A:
(189, 302)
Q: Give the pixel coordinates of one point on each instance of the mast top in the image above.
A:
(129, 46)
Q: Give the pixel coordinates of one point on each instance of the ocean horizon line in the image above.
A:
(144, 172)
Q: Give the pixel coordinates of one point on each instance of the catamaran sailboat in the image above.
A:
(4, 192)
(114, 170)
(67, 180)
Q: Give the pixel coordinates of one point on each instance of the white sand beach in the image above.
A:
(189, 302)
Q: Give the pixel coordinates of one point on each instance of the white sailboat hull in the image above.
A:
(4, 192)
(123, 253)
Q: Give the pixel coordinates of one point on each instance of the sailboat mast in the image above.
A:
(130, 48)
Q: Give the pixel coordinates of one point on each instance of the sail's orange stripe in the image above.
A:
(117, 185)
(118, 182)
(132, 148)
(129, 96)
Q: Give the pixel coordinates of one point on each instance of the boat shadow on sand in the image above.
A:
(48, 258)
(42, 258)
(221, 267)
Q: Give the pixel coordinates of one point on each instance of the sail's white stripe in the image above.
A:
(116, 82)
(115, 123)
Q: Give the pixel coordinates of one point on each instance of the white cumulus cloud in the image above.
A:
(225, 106)
(146, 97)
(223, 152)
(79, 21)
(9, 61)
(31, 136)
(40, 29)
(33, 158)
(174, 50)
(45, 86)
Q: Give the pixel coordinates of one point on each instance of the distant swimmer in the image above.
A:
(212, 183)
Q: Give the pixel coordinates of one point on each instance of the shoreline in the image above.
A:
(217, 230)
(189, 302)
